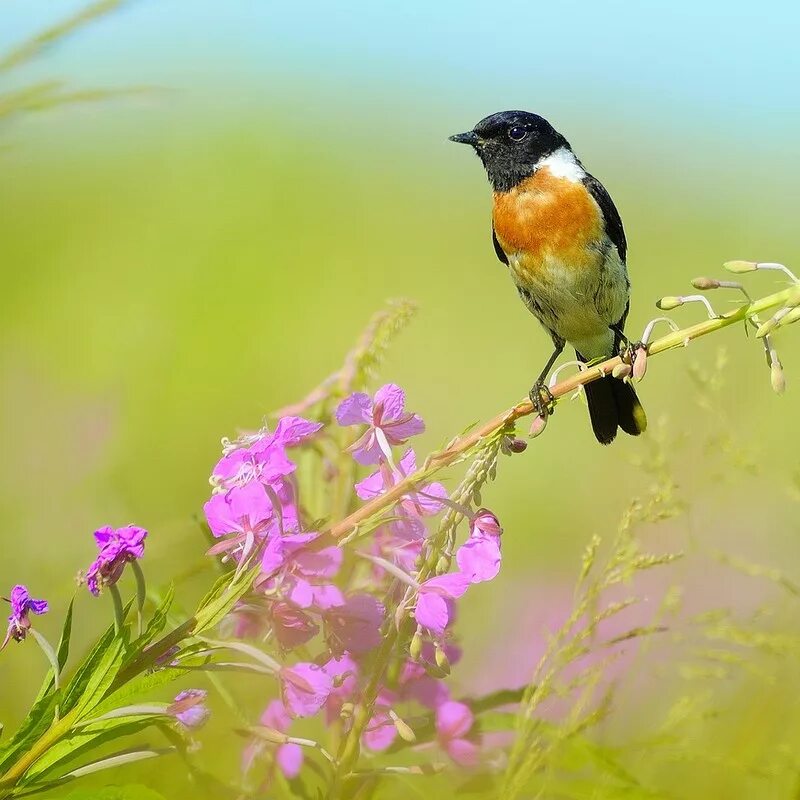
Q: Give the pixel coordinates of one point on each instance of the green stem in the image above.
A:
(141, 596)
(119, 614)
(462, 445)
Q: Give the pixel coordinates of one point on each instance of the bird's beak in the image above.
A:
(470, 137)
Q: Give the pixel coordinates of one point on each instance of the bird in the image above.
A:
(559, 233)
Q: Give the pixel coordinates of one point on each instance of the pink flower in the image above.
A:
(435, 601)
(380, 732)
(262, 456)
(453, 723)
(344, 674)
(305, 688)
(117, 547)
(289, 756)
(355, 625)
(388, 423)
(189, 708)
(292, 626)
(291, 565)
(22, 604)
(479, 557)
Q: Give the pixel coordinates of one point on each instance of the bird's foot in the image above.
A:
(542, 399)
(634, 355)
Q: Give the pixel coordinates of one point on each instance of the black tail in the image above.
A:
(612, 404)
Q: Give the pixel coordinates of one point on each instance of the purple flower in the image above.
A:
(453, 723)
(262, 456)
(291, 565)
(117, 546)
(381, 732)
(355, 625)
(189, 708)
(21, 605)
(305, 688)
(389, 424)
(435, 601)
(344, 673)
(412, 507)
(479, 557)
(292, 626)
(289, 756)
(243, 514)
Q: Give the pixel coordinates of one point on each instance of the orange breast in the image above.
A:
(548, 216)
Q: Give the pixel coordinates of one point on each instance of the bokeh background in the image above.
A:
(181, 259)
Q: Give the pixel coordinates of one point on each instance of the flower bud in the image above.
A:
(777, 377)
(740, 266)
(621, 371)
(415, 648)
(442, 565)
(668, 303)
(791, 317)
(537, 426)
(640, 363)
(269, 734)
(704, 284)
(517, 445)
(442, 661)
(403, 728)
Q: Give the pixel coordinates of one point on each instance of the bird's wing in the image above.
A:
(613, 222)
(497, 249)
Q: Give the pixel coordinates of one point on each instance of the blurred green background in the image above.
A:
(180, 261)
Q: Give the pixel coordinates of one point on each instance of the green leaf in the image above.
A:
(61, 757)
(134, 791)
(77, 686)
(140, 685)
(101, 678)
(222, 598)
(157, 623)
(62, 651)
(33, 726)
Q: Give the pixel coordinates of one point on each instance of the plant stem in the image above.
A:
(141, 596)
(119, 614)
(460, 446)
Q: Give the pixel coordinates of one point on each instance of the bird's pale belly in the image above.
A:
(576, 303)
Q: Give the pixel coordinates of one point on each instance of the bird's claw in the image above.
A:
(542, 399)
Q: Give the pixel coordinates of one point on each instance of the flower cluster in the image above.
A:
(312, 597)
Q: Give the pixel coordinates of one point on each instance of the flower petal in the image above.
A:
(390, 401)
(453, 720)
(289, 758)
(306, 687)
(355, 410)
(432, 612)
(479, 558)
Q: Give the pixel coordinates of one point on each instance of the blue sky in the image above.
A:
(735, 65)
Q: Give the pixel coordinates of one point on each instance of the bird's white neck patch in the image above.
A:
(563, 164)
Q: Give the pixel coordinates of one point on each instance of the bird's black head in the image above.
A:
(510, 145)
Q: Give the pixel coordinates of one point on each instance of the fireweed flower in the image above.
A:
(354, 625)
(189, 708)
(117, 546)
(22, 604)
(381, 732)
(479, 557)
(244, 516)
(304, 688)
(453, 723)
(343, 672)
(436, 601)
(289, 756)
(388, 422)
(402, 538)
(292, 568)
(262, 456)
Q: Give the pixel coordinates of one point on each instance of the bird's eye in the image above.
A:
(517, 133)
